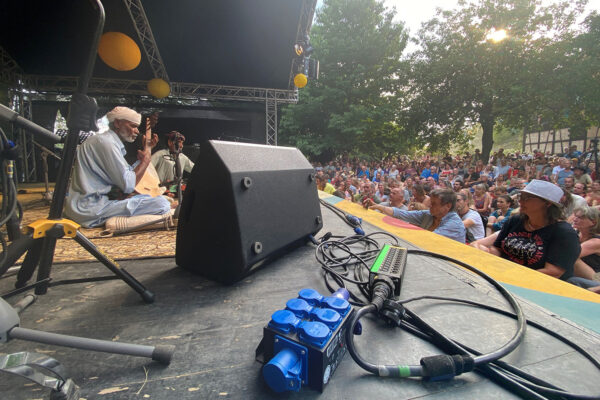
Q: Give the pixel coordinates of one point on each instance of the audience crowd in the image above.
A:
(522, 207)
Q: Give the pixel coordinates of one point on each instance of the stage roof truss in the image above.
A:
(9, 69)
(142, 27)
(179, 90)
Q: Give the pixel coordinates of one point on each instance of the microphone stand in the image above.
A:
(36, 367)
(178, 179)
(39, 244)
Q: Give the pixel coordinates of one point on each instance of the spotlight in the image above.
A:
(298, 49)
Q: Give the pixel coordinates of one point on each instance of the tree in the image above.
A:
(461, 77)
(587, 70)
(353, 106)
(564, 84)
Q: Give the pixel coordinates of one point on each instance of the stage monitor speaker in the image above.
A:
(245, 204)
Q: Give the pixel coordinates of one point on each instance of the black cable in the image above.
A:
(9, 193)
(340, 257)
(12, 196)
(428, 364)
(529, 380)
(488, 370)
(520, 382)
(521, 321)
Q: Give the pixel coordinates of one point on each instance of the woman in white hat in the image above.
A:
(538, 237)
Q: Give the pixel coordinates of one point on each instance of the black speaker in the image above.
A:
(245, 204)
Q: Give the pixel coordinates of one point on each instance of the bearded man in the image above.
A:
(100, 169)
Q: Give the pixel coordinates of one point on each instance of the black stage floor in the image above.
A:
(216, 330)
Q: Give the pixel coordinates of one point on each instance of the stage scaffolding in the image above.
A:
(142, 27)
(28, 86)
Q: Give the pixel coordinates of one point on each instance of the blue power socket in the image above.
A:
(303, 344)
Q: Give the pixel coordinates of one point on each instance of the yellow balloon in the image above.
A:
(158, 88)
(300, 80)
(119, 51)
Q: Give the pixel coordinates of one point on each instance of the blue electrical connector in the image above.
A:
(304, 343)
(356, 224)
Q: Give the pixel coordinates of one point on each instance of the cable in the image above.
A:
(346, 260)
(9, 190)
(10, 204)
(519, 375)
(521, 321)
(338, 267)
(351, 220)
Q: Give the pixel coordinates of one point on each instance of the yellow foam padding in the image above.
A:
(498, 268)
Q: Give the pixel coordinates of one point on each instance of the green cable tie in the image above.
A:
(404, 371)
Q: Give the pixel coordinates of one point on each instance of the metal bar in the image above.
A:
(271, 120)
(179, 90)
(144, 31)
(115, 268)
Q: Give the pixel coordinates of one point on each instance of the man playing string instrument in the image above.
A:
(101, 167)
(164, 160)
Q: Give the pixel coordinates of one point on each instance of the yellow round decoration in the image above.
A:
(119, 51)
(300, 80)
(158, 88)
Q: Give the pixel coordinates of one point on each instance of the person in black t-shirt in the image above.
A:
(538, 238)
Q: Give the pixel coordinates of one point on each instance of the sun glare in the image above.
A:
(497, 35)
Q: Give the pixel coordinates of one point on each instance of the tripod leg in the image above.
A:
(46, 257)
(147, 295)
(15, 250)
(162, 354)
(29, 264)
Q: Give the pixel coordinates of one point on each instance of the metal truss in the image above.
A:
(307, 14)
(142, 27)
(232, 92)
(179, 90)
(9, 69)
(271, 120)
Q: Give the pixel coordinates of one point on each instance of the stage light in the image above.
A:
(298, 49)
(119, 51)
(158, 88)
(300, 80)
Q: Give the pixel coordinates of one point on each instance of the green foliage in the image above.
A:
(368, 101)
(353, 107)
(461, 78)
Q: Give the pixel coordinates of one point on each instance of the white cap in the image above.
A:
(546, 190)
(125, 113)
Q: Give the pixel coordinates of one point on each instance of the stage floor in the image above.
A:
(216, 330)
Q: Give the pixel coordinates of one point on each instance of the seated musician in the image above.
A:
(100, 168)
(164, 160)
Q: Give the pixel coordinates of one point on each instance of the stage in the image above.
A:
(216, 329)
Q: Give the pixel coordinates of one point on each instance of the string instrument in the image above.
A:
(150, 183)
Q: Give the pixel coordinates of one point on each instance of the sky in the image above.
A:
(414, 12)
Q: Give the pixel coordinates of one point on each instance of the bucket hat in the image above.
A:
(545, 190)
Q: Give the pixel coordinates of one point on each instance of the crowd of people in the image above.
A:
(533, 209)
(537, 210)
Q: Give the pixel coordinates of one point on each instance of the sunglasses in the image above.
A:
(527, 196)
